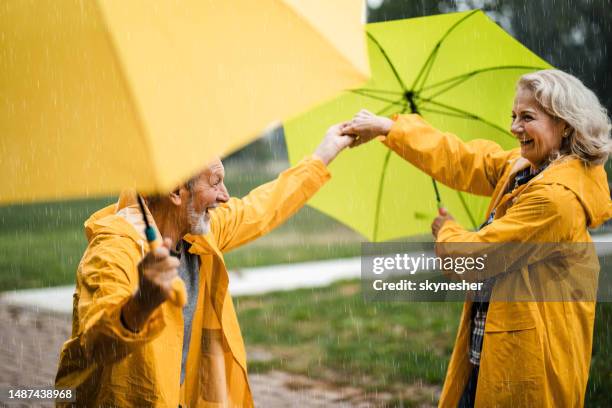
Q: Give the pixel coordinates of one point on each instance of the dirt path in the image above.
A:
(30, 344)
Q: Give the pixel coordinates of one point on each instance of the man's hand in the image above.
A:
(365, 126)
(156, 270)
(439, 221)
(332, 144)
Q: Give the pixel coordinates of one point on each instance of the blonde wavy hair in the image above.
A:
(565, 97)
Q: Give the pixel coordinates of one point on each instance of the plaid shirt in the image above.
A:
(480, 306)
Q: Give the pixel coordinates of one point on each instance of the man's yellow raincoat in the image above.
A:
(535, 354)
(112, 366)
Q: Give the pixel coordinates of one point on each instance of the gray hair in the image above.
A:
(565, 97)
(153, 200)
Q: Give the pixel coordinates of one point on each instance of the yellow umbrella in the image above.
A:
(101, 95)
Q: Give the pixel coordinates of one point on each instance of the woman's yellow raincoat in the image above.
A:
(111, 366)
(535, 354)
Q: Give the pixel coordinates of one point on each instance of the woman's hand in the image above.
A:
(332, 144)
(365, 126)
(439, 221)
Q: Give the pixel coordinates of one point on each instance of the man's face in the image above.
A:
(207, 192)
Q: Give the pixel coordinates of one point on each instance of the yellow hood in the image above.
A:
(588, 183)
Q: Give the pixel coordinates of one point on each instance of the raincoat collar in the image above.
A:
(122, 218)
(588, 183)
(202, 244)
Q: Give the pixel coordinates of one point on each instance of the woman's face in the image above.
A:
(538, 133)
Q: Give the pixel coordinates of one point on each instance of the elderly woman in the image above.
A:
(550, 190)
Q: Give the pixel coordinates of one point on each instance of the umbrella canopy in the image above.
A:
(459, 71)
(102, 95)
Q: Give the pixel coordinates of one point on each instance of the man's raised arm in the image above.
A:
(241, 220)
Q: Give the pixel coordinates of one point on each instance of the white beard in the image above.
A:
(200, 225)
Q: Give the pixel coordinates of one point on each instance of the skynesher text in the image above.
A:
(407, 285)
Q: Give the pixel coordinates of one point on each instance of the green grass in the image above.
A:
(332, 334)
(600, 378)
(41, 244)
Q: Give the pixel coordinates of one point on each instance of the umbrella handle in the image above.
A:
(178, 296)
(440, 207)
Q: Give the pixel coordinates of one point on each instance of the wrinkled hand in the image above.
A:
(365, 126)
(332, 144)
(439, 221)
(157, 270)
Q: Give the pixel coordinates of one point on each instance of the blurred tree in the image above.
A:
(269, 147)
(573, 35)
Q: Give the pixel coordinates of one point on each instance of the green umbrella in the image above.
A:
(459, 71)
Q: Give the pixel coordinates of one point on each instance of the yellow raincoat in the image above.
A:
(535, 354)
(111, 366)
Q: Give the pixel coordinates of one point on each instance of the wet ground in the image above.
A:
(29, 348)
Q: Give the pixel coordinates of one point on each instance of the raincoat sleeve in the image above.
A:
(269, 205)
(542, 214)
(108, 277)
(474, 166)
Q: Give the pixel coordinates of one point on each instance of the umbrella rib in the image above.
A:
(381, 91)
(467, 210)
(468, 115)
(460, 78)
(378, 98)
(434, 52)
(426, 69)
(384, 53)
(451, 86)
(449, 80)
(441, 112)
(453, 111)
(404, 106)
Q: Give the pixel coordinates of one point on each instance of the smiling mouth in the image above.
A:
(526, 142)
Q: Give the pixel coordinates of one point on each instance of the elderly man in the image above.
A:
(132, 348)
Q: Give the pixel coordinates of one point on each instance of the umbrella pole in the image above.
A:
(409, 95)
(179, 294)
(438, 199)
